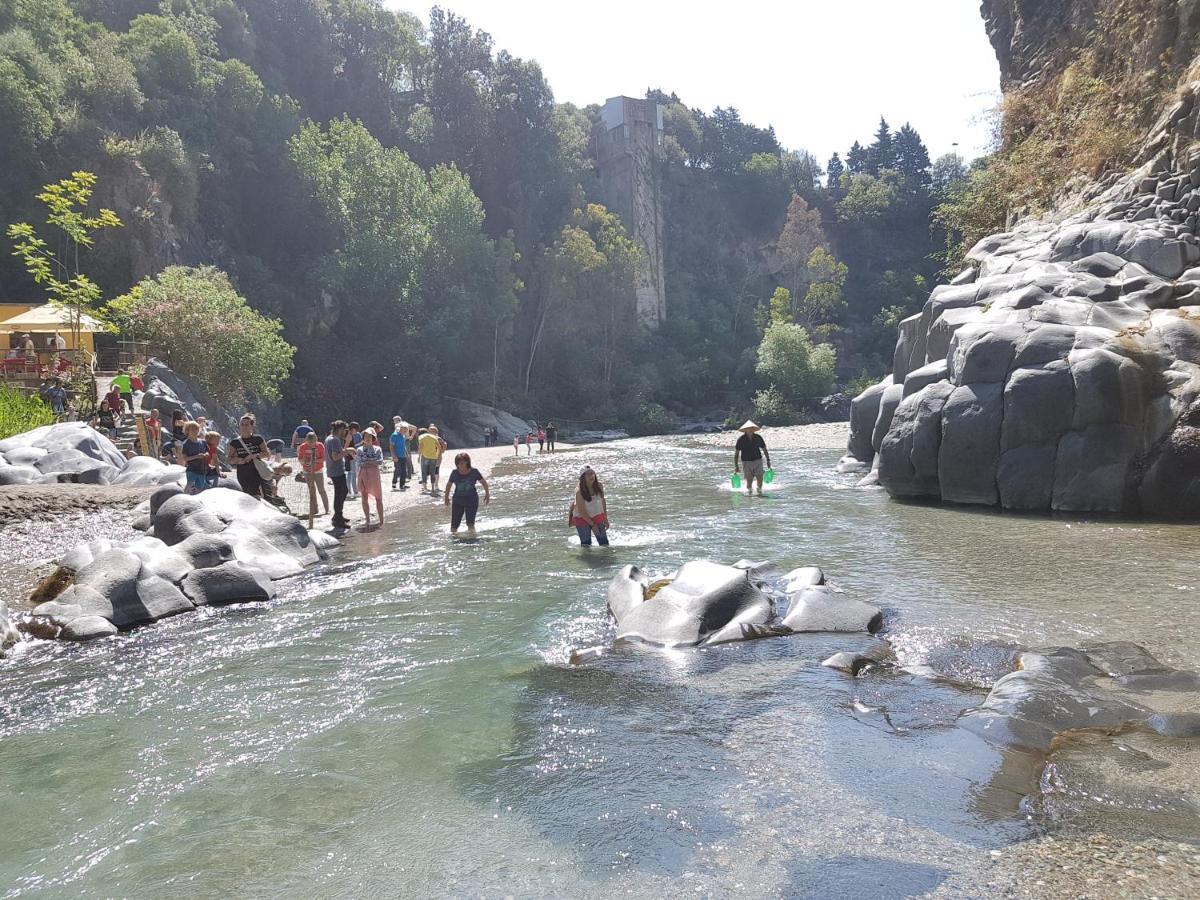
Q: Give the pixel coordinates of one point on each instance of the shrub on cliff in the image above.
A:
(209, 333)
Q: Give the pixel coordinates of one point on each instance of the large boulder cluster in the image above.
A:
(209, 549)
(76, 452)
(1060, 372)
(705, 603)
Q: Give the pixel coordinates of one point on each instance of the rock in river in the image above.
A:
(706, 603)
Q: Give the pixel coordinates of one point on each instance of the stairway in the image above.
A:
(127, 438)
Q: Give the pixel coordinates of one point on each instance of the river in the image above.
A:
(405, 720)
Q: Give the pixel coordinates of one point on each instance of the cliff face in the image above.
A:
(1061, 371)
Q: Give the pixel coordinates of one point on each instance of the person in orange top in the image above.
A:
(311, 454)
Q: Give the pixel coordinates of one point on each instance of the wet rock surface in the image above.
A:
(76, 452)
(706, 603)
(211, 549)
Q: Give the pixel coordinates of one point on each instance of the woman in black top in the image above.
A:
(466, 498)
(243, 451)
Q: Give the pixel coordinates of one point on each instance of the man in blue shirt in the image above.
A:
(302, 431)
(399, 455)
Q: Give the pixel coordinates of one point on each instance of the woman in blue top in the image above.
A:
(466, 498)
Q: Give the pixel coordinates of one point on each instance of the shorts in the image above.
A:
(429, 468)
(752, 468)
(197, 480)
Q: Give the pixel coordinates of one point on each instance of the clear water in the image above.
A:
(405, 722)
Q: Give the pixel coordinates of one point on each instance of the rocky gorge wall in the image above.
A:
(1061, 370)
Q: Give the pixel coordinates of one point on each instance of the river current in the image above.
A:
(405, 721)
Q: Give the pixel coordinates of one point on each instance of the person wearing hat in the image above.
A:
(750, 450)
(399, 447)
(589, 509)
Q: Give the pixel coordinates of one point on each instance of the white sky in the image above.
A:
(820, 71)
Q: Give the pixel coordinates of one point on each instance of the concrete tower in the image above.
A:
(627, 154)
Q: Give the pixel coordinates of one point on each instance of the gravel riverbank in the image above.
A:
(823, 436)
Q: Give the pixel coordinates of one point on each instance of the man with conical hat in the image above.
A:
(748, 454)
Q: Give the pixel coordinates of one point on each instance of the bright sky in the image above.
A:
(820, 71)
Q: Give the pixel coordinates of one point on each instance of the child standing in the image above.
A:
(213, 475)
(516, 445)
(193, 453)
(370, 459)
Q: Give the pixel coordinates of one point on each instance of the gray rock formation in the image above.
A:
(74, 451)
(1062, 372)
(464, 421)
(705, 603)
(1098, 689)
(210, 549)
(167, 391)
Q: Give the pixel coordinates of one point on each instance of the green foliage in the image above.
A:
(65, 283)
(650, 418)
(20, 412)
(771, 407)
(868, 197)
(788, 359)
(209, 333)
(972, 208)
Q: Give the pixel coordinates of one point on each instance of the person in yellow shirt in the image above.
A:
(431, 447)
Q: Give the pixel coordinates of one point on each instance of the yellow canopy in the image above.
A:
(49, 318)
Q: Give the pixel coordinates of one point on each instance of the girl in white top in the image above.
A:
(589, 511)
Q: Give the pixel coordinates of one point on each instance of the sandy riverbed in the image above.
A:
(824, 436)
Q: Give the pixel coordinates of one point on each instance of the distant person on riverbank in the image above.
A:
(541, 440)
(370, 484)
(551, 437)
(122, 382)
(245, 451)
(750, 450)
(56, 396)
(516, 445)
(354, 441)
(154, 433)
(303, 430)
(106, 420)
(213, 440)
(115, 402)
(311, 455)
(399, 447)
(431, 447)
(529, 443)
(193, 453)
(589, 511)
(335, 467)
(463, 479)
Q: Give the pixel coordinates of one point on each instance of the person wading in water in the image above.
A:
(589, 509)
(751, 449)
(466, 498)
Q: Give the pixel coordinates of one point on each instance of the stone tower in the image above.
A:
(627, 154)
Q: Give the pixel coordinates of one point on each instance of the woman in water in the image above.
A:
(370, 459)
(589, 512)
(466, 497)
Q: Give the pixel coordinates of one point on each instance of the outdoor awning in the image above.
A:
(49, 318)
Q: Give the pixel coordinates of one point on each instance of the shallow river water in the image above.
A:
(405, 720)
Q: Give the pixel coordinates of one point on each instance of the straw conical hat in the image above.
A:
(749, 426)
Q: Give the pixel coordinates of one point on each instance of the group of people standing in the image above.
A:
(546, 439)
(352, 458)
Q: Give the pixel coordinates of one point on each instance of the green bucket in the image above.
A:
(768, 476)
(736, 481)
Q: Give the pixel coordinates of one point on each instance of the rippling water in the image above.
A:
(404, 722)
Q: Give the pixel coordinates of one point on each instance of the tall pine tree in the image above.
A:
(882, 153)
(834, 170)
(912, 158)
(856, 159)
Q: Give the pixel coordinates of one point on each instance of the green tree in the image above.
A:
(856, 159)
(208, 332)
(912, 157)
(61, 273)
(834, 170)
(781, 307)
(824, 302)
(882, 152)
(788, 359)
